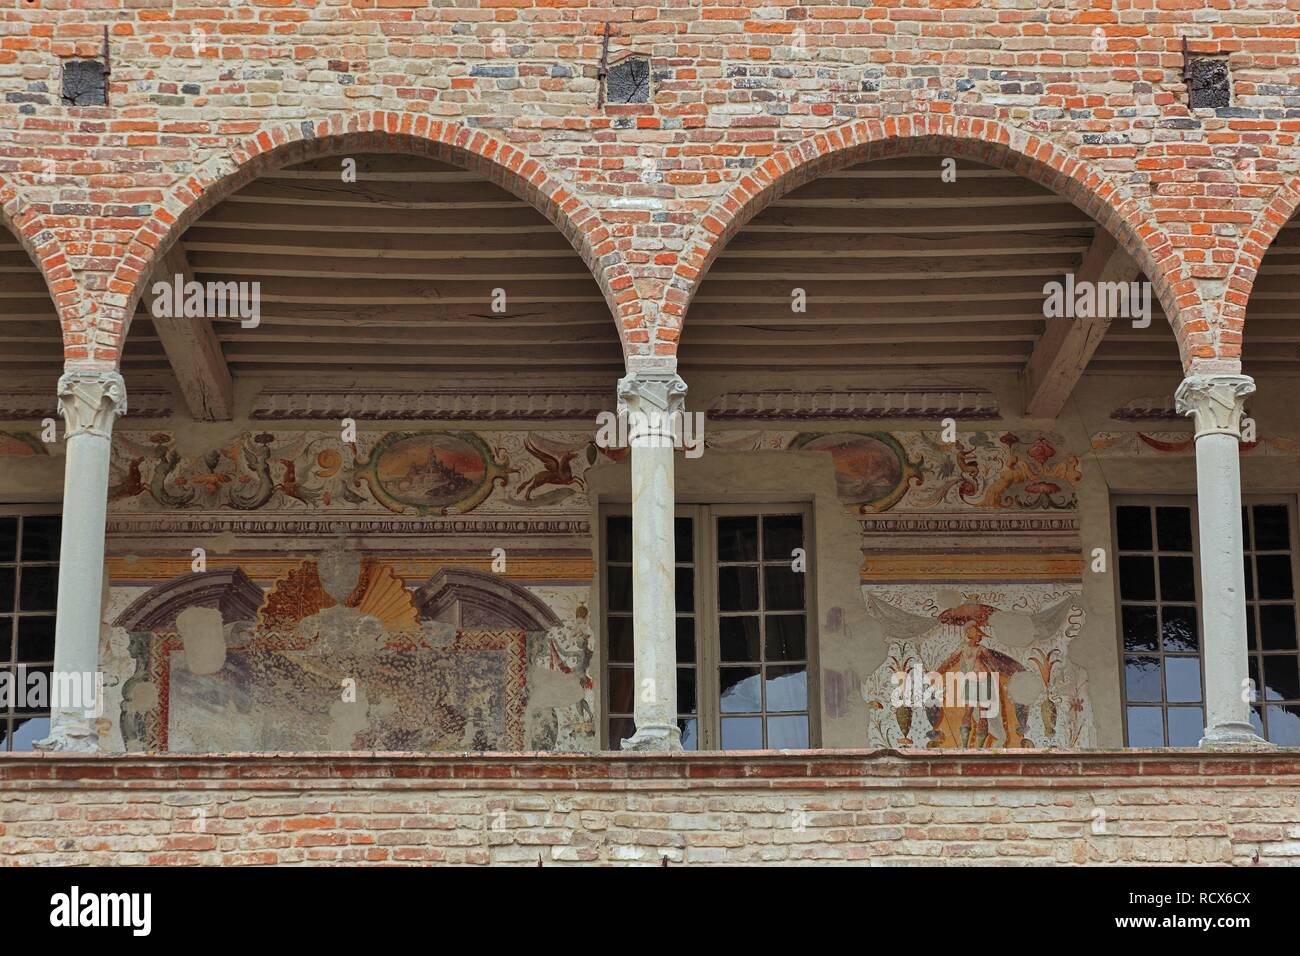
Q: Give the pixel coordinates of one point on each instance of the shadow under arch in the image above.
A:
(381, 132)
(983, 141)
(1255, 245)
(48, 257)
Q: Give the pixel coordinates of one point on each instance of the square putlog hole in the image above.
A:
(629, 81)
(84, 83)
(1208, 84)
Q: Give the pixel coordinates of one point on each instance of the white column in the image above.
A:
(1216, 401)
(89, 401)
(653, 405)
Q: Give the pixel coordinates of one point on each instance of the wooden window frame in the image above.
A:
(1249, 502)
(703, 515)
(9, 629)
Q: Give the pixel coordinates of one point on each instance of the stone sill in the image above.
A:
(786, 770)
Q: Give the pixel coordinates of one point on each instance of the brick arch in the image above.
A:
(985, 141)
(287, 143)
(47, 254)
(1284, 205)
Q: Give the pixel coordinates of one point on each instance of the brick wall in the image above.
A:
(793, 807)
(749, 98)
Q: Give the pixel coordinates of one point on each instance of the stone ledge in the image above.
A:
(819, 769)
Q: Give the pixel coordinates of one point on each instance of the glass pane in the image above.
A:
(1275, 581)
(1142, 678)
(740, 690)
(620, 729)
(738, 589)
(1249, 574)
(28, 731)
(618, 538)
(1137, 579)
(785, 638)
(686, 690)
(621, 680)
(1179, 629)
(1145, 727)
(1278, 624)
(8, 577)
(1186, 726)
(781, 535)
(684, 540)
(1272, 528)
(1139, 628)
(1252, 639)
(1183, 679)
(41, 538)
(738, 638)
(35, 639)
(620, 640)
(1252, 671)
(685, 590)
(1257, 721)
(6, 640)
(738, 539)
(1174, 529)
(1284, 724)
(1133, 527)
(8, 539)
(690, 730)
(1177, 579)
(787, 687)
(619, 582)
(686, 640)
(1245, 529)
(788, 733)
(782, 588)
(742, 733)
(1281, 677)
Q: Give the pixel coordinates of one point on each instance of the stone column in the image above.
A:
(653, 405)
(1216, 401)
(89, 401)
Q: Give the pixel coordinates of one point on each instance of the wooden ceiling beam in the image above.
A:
(1061, 355)
(192, 348)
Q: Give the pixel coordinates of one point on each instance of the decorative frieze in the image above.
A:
(906, 402)
(314, 402)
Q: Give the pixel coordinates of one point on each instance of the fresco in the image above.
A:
(339, 654)
(1016, 639)
(416, 473)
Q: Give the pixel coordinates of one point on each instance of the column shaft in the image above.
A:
(89, 402)
(652, 405)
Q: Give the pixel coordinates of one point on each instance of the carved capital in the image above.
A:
(652, 403)
(89, 402)
(1216, 401)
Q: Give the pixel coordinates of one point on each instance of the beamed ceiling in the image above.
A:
(396, 272)
(902, 269)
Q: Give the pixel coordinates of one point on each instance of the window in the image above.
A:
(1160, 622)
(743, 627)
(29, 555)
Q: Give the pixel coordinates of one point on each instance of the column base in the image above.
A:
(1234, 736)
(69, 736)
(655, 737)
